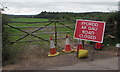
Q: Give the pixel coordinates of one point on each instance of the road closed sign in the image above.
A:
(89, 30)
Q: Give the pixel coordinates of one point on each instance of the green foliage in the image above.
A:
(115, 17)
(5, 19)
(5, 40)
(110, 41)
(70, 15)
(9, 52)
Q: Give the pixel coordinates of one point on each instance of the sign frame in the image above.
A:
(92, 21)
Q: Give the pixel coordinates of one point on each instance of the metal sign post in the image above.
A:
(90, 30)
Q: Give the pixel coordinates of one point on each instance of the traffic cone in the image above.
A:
(68, 46)
(53, 51)
(98, 46)
(80, 50)
(79, 45)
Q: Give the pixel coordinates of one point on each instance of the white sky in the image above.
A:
(28, 7)
(59, 0)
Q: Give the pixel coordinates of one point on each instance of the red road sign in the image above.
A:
(89, 30)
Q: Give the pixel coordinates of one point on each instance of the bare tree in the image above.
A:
(2, 8)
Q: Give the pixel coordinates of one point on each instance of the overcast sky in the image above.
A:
(31, 7)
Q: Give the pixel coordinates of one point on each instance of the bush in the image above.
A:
(115, 17)
(6, 51)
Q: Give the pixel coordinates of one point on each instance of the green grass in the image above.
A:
(44, 36)
(34, 20)
(28, 19)
(27, 25)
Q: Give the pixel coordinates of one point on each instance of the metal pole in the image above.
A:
(0, 41)
(92, 57)
(77, 48)
(55, 24)
(83, 44)
(92, 53)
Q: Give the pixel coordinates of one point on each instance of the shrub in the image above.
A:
(5, 40)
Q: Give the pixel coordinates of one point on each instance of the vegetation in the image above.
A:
(6, 52)
(114, 17)
(67, 15)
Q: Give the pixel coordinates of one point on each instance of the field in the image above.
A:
(32, 27)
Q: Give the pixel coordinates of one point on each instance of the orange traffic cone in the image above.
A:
(53, 51)
(79, 45)
(98, 46)
(68, 46)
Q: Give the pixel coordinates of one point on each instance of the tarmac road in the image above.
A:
(104, 64)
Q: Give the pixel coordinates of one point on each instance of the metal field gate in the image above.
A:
(41, 30)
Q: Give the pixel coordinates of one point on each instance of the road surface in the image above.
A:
(104, 64)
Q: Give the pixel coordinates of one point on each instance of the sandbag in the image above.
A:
(82, 53)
